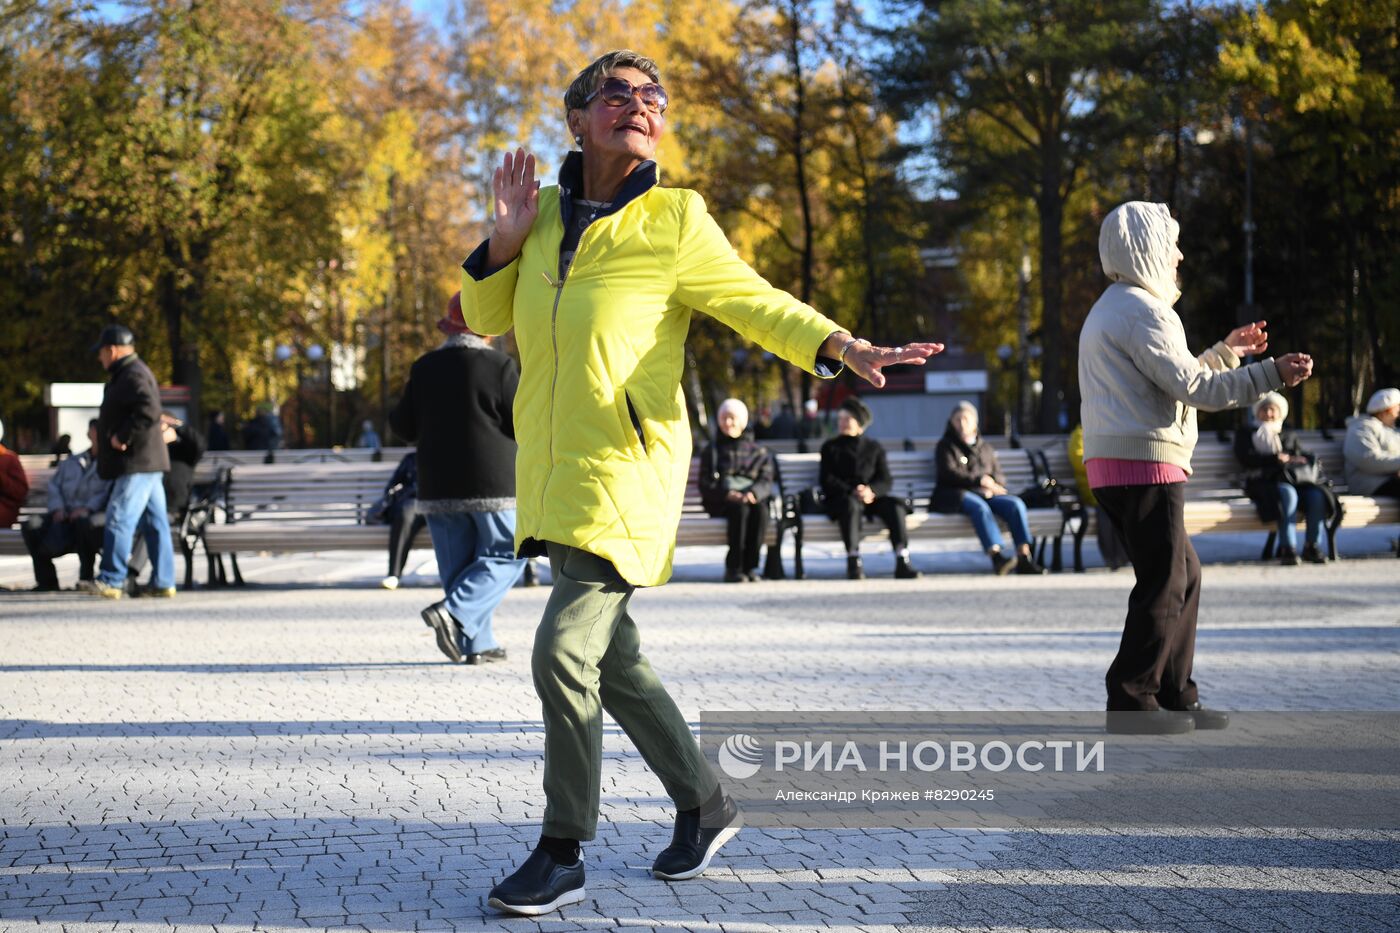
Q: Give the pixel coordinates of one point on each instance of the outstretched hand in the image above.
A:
(1293, 368)
(1248, 340)
(517, 205)
(866, 360)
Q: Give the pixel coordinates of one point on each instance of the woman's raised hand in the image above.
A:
(517, 205)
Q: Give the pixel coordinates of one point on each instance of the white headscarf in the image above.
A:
(1137, 246)
(1266, 436)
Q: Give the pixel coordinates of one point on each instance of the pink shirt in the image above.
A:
(1105, 471)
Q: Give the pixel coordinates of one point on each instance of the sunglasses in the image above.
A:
(618, 91)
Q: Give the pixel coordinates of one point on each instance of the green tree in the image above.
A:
(1023, 97)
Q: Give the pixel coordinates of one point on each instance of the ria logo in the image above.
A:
(741, 756)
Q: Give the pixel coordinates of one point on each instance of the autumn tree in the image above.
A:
(1022, 97)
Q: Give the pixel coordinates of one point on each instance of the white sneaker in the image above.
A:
(390, 583)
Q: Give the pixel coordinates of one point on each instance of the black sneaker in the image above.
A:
(1026, 565)
(903, 570)
(1148, 722)
(1001, 564)
(1204, 718)
(695, 841)
(539, 886)
(1287, 557)
(735, 576)
(1313, 554)
(445, 627)
(752, 576)
(485, 657)
(855, 570)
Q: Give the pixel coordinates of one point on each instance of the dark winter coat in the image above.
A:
(848, 462)
(960, 469)
(729, 456)
(1263, 472)
(185, 452)
(130, 413)
(457, 408)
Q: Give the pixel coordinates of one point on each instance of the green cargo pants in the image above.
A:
(588, 659)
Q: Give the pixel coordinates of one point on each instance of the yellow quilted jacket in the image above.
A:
(599, 414)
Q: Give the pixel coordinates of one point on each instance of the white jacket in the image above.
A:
(1140, 383)
(1372, 454)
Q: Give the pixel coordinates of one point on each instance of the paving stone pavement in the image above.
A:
(297, 754)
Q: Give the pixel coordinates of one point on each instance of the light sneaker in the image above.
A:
(106, 592)
(390, 583)
(86, 586)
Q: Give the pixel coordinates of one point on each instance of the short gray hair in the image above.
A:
(591, 77)
(733, 404)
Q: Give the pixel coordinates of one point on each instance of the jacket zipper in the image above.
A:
(554, 345)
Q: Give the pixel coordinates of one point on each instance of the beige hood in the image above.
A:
(1137, 246)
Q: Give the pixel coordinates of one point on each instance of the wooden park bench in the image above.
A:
(914, 476)
(1216, 503)
(185, 533)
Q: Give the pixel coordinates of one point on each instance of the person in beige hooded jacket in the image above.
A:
(1141, 387)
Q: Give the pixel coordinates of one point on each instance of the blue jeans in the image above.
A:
(984, 513)
(1314, 509)
(137, 505)
(476, 561)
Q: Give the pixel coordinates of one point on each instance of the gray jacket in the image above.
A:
(1372, 454)
(1140, 382)
(76, 485)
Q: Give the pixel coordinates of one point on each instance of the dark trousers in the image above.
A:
(405, 522)
(1153, 666)
(847, 512)
(748, 526)
(47, 539)
(1390, 487)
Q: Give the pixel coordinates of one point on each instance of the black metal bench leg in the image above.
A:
(797, 572)
(1269, 546)
(189, 565)
(773, 565)
(1333, 525)
(1057, 563)
(237, 575)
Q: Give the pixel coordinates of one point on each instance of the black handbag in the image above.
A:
(1306, 472)
(1044, 492)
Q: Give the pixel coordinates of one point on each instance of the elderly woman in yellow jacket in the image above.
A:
(598, 275)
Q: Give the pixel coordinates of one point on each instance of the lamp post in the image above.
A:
(314, 354)
(1023, 330)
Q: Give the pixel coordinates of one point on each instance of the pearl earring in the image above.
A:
(578, 141)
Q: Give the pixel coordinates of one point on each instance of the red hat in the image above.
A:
(453, 322)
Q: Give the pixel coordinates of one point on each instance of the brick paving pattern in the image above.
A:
(298, 755)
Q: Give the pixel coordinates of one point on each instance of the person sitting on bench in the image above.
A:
(970, 481)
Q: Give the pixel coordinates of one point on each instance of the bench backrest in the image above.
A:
(334, 492)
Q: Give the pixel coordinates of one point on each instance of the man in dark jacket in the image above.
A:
(457, 407)
(856, 482)
(131, 452)
(736, 483)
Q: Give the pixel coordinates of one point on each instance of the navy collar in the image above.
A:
(642, 179)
